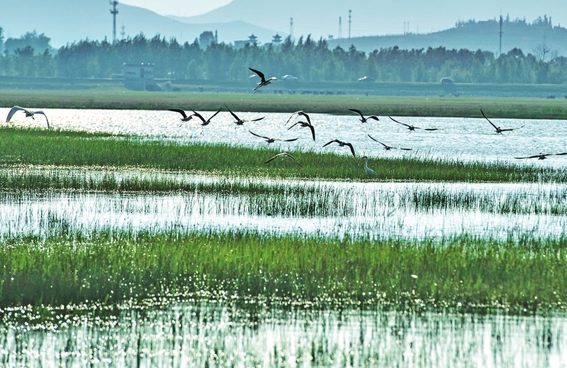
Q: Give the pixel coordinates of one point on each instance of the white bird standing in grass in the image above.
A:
(15, 109)
(368, 170)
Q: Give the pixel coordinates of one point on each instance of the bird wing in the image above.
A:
(233, 114)
(333, 141)
(283, 154)
(46, 119)
(358, 112)
(377, 141)
(312, 131)
(560, 154)
(215, 114)
(257, 119)
(351, 148)
(306, 116)
(373, 117)
(399, 122)
(179, 111)
(292, 115)
(259, 74)
(288, 140)
(487, 119)
(510, 129)
(430, 129)
(534, 156)
(293, 125)
(13, 110)
(257, 135)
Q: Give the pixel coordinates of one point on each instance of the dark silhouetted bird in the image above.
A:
(341, 144)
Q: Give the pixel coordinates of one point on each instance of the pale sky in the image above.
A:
(182, 8)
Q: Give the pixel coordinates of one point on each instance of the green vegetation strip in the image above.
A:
(108, 267)
(74, 149)
(119, 98)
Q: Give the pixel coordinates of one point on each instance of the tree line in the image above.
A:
(304, 58)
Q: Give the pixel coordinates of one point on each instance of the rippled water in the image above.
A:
(460, 138)
(375, 210)
(209, 335)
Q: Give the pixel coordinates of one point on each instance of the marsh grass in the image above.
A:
(112, 267)
(62, 148)
(465, 106)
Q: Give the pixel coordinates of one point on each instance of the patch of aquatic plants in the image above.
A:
(113, 267)
(62, 148)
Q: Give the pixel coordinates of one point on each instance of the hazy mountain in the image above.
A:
(320, 18)
(66, 21)
(483, 35)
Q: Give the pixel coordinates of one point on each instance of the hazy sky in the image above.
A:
(177, 7)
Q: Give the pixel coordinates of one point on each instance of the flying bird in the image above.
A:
(28, 113)
(239, 121)
(386, 147)
(542, 156)
(205, 121)
(263, 80)
(300, 112)
(305, 124)
(498, 129)
(411, 127)
(368, 170)
(341, 144)
(184, 116)
(282, 155)
(365, 119)
(272, 140)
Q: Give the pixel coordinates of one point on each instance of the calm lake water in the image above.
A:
(459, 138)
(213, 334)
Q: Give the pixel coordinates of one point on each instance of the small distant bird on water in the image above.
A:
(184, 116)
(365, 119)
(282, 155)
(15, 109)
(341, 144)
(263, 80)
(368, 170)
(272, 140)
(386, 147)
(411, 127)
(542, 156)
(498, 129)
(239, 121)
(205, 121)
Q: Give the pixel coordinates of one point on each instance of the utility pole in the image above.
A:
(500, 48)
(349, 22)
(113, 11)
(291, 28)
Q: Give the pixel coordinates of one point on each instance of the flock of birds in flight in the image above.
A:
(303, 124)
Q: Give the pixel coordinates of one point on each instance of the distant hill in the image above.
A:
(472, 35)
(320, 18)
(67, 21)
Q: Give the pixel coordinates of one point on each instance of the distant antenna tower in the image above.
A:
(349, 22)
(113, 11)
(122, 33)
(291, 28)
(340, 27)
(500, 48)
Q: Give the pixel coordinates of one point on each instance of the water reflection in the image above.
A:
(215, 335)
(374, 210)
(460, 138)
